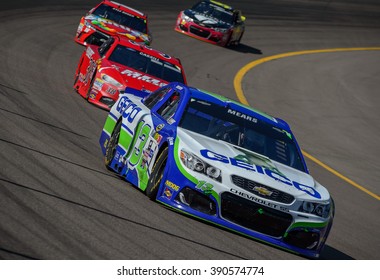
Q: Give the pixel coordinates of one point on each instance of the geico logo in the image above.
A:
(259, 169)
(127, 108)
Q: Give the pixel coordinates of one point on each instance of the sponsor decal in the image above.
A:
(105, 143)
(260, 169)
(89, 52)
(159, 127)
(123, 12)
(165, 55)
(89, 72)
(242, 115)
(171, 141)
(205, 187)
(149, 56)
(98, 84)
(144, 78)
(145, 158)
(117, 155)
(168, 193)
(111, 91)
(172, 185)
(157, 137)
(139, 150)
(80, 27)
(259, 200)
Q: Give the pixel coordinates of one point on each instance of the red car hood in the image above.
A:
(133, 78)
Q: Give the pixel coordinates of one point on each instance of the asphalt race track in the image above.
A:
(58, 201)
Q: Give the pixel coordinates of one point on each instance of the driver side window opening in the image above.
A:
(155, 97)
(168, 109)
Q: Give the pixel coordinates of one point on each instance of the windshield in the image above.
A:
(121, 17)
(214, 11)
(241, 130)
(148, 64)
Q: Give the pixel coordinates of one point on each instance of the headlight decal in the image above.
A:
(318, 209)
(195, 163)
(188, 176)
(110, 80)
(205, 187)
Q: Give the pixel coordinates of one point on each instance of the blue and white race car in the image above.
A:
(216, 159)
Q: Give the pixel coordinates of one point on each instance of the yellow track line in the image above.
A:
(240, 94)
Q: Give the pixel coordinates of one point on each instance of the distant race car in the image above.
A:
(103, 72)
(213, 22)
(218, 160)
(111, 18)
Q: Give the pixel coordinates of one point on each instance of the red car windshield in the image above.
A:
(121, 17)
(148, 64)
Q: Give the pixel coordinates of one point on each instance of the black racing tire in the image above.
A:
(77, 72)
(238, 41)
(76, 79)
(112, 144)
(228, 43)
(157, 175)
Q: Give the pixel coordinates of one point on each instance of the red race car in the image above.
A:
(111, 18)
(213, 22)
(103, 72)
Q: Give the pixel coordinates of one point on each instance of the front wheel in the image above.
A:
(157, 174)
(228, 42)
(90, 86)
(112, 144)
(239, 40)
(77, 73)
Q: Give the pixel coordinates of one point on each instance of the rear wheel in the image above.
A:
(112, 144)
(155, 178)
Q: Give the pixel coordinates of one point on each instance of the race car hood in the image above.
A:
(133, 78)
(114, 28)
(206, 20)
(233, 160)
